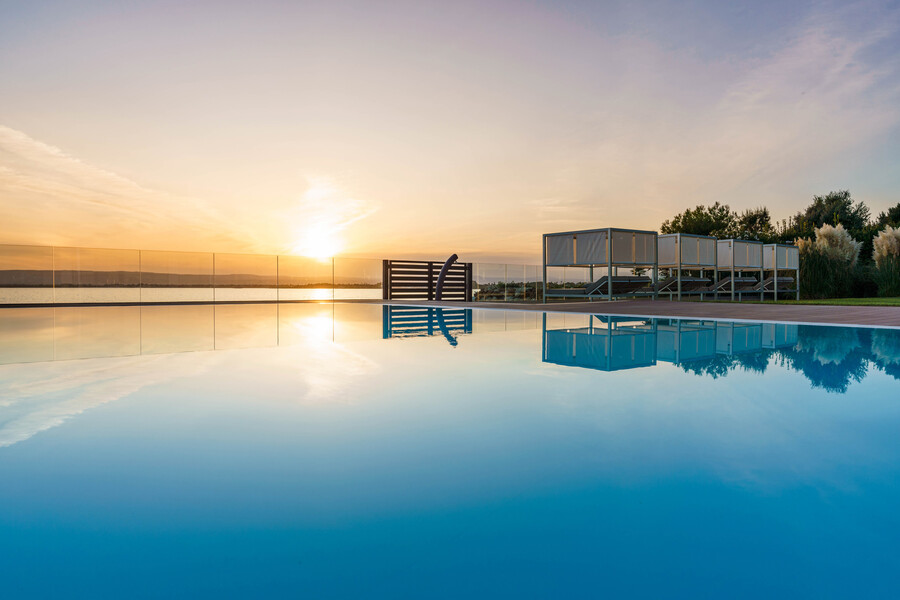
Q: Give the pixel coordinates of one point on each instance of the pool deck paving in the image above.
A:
(870, 316)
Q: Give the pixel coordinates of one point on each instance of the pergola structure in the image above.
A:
(682, 252)
(778, 258)
(735, 259)
(607, 248)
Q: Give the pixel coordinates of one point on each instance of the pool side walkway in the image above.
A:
(871, 316)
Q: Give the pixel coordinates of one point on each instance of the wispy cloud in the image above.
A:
(748, 130)
(60, 199)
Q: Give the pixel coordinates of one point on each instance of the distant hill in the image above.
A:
(71, 278)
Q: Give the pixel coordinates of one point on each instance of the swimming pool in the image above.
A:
(354, 450)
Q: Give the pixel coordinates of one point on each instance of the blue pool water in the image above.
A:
(356, 451)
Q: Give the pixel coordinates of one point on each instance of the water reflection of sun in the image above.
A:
(315, 328)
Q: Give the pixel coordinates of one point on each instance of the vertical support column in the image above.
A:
(775, 282)
(731, 246)
(715, 271)
(609, 268)
(544, 275)
(468, 275)
(385, 280)
(762, 278)
(678, 252)
(505, 282)
(732, 275)
(655, 281)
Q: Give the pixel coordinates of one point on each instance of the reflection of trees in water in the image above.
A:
(831, 358)
(722, 364)
(886, 351)
(829, 345)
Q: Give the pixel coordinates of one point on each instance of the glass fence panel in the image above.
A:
(26, 275)
(246, 277)
(96, 275)
(357, 279)
(176, 276)
(515, 283)
(570, 278)
(36, 274)
(534, 288)
(489, 282)
(303, 278)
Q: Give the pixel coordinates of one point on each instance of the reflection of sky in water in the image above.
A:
(203, 450)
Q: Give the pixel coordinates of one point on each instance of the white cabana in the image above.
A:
(607, 248)
(738, 263)
(778, 258)
(680, 253)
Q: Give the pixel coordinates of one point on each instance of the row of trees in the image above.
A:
(837, 239)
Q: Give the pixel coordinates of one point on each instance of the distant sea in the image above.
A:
(100, 295)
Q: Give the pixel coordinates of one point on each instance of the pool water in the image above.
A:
(358, 451)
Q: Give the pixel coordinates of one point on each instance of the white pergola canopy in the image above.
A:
(598, 247)
(688, 251)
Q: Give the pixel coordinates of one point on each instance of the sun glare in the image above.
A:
(318, 243)
(323, 215)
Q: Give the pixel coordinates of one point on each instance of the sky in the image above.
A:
(419, 129)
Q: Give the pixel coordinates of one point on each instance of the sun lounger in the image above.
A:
(785, 284)
(688, 284)
(741, 284)
(621, 285)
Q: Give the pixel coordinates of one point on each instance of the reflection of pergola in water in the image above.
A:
(421, 321)
(615, 343)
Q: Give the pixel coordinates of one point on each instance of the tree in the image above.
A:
(754, 224)
(717, 220)
(834, 208)
(889, 218)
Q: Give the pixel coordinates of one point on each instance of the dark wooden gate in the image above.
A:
(417, 279)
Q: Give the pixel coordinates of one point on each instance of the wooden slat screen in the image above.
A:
(417, 280)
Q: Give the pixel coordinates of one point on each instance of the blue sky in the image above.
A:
(351, 126)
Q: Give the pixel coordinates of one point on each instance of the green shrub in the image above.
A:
(824, 275)
(829, 266)
(887, 276)
(864, 284)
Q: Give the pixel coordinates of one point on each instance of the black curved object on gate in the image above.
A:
(439, 288)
